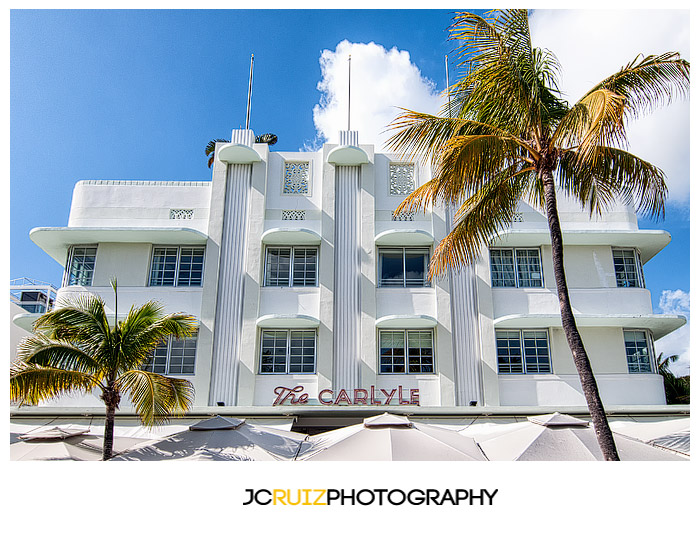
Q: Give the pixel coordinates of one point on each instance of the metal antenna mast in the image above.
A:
(349, 58)
(250, 90)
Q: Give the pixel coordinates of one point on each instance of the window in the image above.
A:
(512, 345)
(177, 266)
(637, 350)
(81, 265)
(288, 352)
(516, 268)
(296, 178)
(403, 267)
(291, 267)
(173, 356)
(628, 268)
(406, 352)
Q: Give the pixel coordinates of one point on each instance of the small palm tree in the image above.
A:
(677, 388)
(507, 135)
(76, 349)
(210, 148)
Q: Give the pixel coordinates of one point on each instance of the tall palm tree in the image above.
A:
(75, 348)
(507, 135)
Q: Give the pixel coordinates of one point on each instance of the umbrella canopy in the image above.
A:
(672, 434)
(221, 439)
(391, 438)
(561, 437)
(75, 447)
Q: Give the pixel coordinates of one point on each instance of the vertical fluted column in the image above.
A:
(465, 332)
(231, 291)
(346, 314)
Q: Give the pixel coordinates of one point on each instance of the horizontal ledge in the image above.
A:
(406, 321)
(404, 237)
(347, 155)
(287, 321)
(659, 325)
(26, 320)
(648, 241)
(55, 241)
(237, 153)
(290, 236)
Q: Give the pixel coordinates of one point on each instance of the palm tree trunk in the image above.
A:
(109, 432)
(573, 337)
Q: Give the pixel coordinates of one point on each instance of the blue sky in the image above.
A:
(138, 94)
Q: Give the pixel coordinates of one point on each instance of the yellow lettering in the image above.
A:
(321, 495)
(279, 494)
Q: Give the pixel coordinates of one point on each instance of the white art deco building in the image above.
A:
(311, 294)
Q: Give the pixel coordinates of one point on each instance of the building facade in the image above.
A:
(311, 292)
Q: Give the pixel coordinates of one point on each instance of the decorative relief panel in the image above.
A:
(401, 180)
(296, 178)
(293, 214)
(181, 213)
(403, 216)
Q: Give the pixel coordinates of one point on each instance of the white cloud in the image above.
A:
(676, 302)
(591, 45)
(382, 80)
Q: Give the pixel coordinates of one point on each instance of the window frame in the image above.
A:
(426, 264)
(178, 266)
(67, 278)
(290, 274)
(149, 365)
(406, 356)
(639, 271)
(523, 356)
(649, 341)
(288, 355)
(514, 265)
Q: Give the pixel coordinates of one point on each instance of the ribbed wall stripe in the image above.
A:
(230, 293)
(465, 333)
(346, 314)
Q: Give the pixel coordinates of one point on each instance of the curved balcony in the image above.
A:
(56, 240)
(648, 241)
(659, 325)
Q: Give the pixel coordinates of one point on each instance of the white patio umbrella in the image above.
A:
(221, 439)
(65, 444)
(557, 437)
(390, 437)
(672, 434)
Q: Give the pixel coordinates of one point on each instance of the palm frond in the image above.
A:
(648, 82)
(210, 148)
(32, 384)
(42, 351)
(595, 120)
(81, 320)
(509, 84)
(144, 328)
(480, 218)
(610, 175)
(154, 396)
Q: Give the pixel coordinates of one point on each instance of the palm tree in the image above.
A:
(268, 138)
(210, 148)
(76, 349)
(507, 135)
(677, 388)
